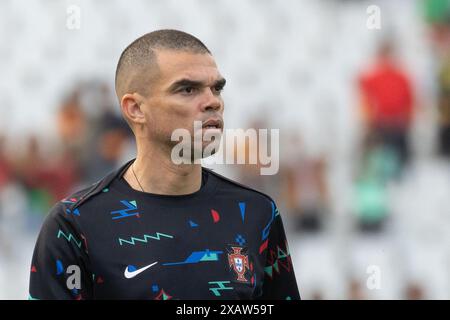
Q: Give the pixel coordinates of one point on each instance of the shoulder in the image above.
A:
(63, 211)
(66, 212)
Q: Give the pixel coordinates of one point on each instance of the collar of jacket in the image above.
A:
(99, 186)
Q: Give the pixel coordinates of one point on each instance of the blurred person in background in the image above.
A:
(387, 103)
(355, 290)
(33, 172)
(304, 187)
(5, 167)
(414, 291)
(6, 176)
(13, 203)
(444, 108)
(376, 169)
(387, 109)
(108, 135)
(72, 123)
(250, 173)
(108, 147)
(437, 15)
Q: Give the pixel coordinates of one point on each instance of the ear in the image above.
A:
(131, 108)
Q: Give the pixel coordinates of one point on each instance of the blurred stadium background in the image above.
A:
(364, 119)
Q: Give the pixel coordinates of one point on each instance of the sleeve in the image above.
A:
(279, 277)
(59, 267)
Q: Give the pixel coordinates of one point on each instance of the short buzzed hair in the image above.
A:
(137, 63)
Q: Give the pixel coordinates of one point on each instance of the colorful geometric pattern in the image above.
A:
(59, 267)
(145, 238)
(266, 230)
(163, 296)
(69, 201)
(242, 208)
(198, 256)
(125, 213)
(69, 238)
(215, 215)
(240, 239)
(220, 286)
(263, 246)
(75, 212)
(193, 224)
(276, 259)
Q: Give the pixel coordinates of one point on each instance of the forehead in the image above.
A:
(174, 65)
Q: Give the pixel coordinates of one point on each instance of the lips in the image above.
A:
(213, 124)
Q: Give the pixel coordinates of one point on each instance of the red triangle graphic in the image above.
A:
(215, 215)
(33, 269)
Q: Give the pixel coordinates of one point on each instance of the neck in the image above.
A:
(157, 174)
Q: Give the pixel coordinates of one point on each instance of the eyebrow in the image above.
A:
(193, 83)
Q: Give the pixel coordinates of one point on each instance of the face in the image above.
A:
(188, 88)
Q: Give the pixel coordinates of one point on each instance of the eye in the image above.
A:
(187, 90)
(218, 89)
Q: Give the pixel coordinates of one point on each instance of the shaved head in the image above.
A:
(138, 64)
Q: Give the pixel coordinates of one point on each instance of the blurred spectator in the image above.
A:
(355, 291)
(71, 124)
(437, 15)
(108, 135)
(30, 168)
(444, 108)
(388, 102)
(304, 188)
(379, 164)
(13, 203)
(388, 111)
(250, 173)
(5, 167)
(5, 176)
(414, 291)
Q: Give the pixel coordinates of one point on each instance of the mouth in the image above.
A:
(213, 124)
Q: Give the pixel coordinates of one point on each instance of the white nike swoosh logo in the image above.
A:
(134, 273)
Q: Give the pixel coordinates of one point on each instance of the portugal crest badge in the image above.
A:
(238, 262)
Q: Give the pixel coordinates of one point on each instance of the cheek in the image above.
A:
(173, 117)
(182, 114)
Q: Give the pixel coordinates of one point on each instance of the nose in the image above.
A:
(212, 101)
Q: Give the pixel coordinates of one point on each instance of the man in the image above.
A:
(388, 103)
(159, 230)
